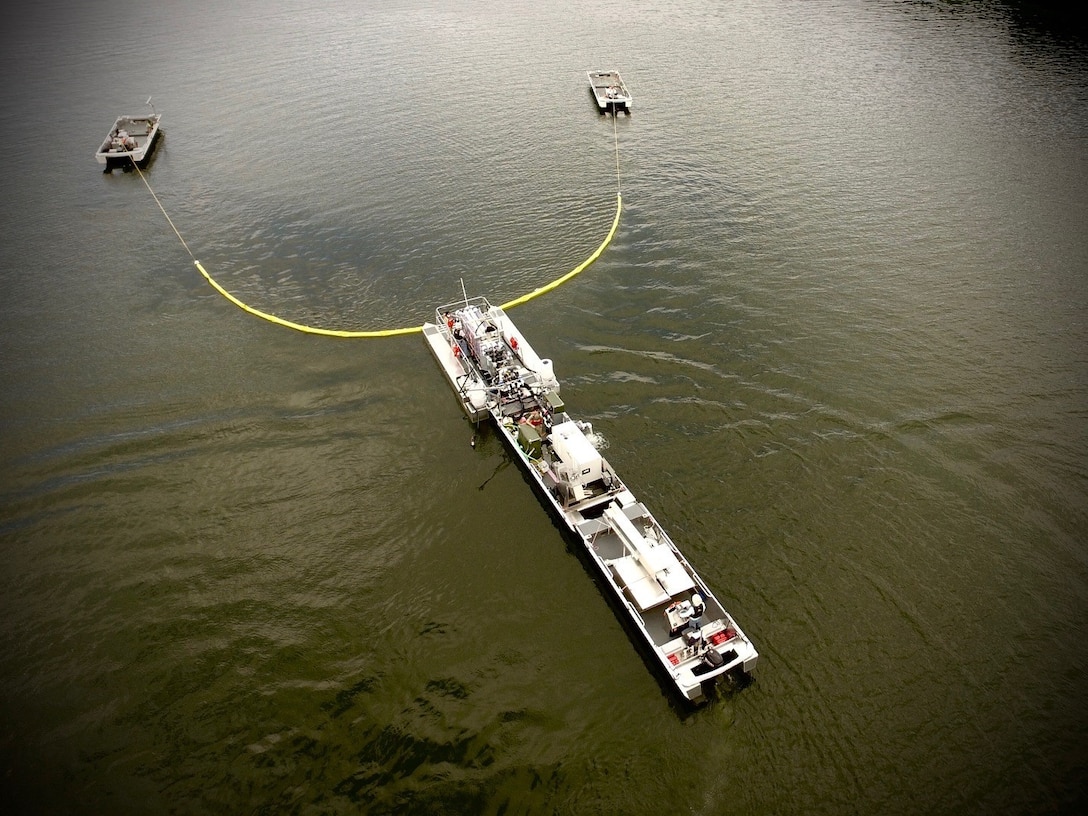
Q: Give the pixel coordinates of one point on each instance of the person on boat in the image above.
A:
(697, 605)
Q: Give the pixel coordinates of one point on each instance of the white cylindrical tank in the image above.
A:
(547, 374)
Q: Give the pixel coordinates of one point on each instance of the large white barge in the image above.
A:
(496, 373)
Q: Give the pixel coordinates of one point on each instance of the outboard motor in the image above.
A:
(712, 659)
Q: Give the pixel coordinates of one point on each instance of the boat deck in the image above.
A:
(605, 79)
(131, 139)
(625, 551)
(609, 92)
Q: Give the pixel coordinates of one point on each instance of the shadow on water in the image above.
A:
(1058, 20)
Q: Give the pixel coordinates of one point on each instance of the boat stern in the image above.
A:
(131, 139)
(735, 656)
(609, 91)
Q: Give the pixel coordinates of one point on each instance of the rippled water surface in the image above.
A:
(838, 345)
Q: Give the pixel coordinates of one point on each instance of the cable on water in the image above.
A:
(409, 329)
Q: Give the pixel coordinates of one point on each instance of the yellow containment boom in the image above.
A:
(410, 329)
(413, 329)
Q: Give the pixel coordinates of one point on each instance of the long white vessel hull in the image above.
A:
(675, 616)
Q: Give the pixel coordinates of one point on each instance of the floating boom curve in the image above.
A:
(414, 329)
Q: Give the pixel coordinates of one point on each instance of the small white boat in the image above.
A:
(685, 630)
(131, 139)
(609, 91)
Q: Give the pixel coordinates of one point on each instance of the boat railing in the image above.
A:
(441, 312)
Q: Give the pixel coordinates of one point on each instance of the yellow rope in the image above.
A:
(410, 329)
(168, 221)
(607, 240)
(298, 326)
(559, 281)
